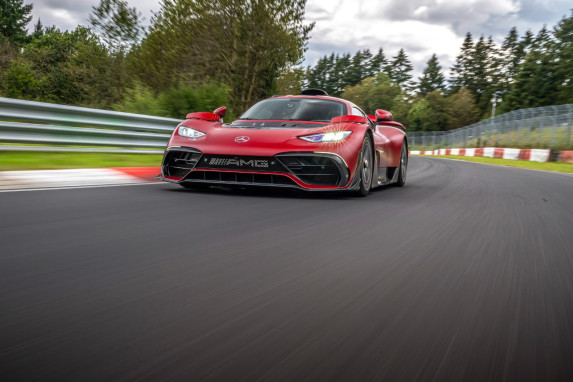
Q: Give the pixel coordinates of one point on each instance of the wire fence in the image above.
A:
(548, 127)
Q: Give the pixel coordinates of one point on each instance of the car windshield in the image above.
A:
(296, 109)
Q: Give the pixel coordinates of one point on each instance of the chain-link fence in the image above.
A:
(548, 127)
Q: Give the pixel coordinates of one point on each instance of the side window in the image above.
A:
(358, 112)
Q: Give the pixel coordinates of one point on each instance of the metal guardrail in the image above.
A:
(38, 126)
(62, 128)
(548, 127)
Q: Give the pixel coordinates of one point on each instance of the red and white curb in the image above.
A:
(40, 179)
(536, 155)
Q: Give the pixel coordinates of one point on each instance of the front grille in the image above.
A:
(240, 163)
(239, 178)
(313, 169)
(178, 163)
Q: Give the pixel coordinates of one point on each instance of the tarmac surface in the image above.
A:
(465, 274)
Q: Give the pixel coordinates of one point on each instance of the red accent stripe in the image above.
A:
(498, 152)
(479, 152)
(462, 152)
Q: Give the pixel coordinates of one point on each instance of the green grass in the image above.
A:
(544, 166)
(60, 160)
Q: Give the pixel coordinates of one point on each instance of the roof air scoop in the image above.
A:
(314, 92)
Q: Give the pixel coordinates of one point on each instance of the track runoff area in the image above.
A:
(464, 274)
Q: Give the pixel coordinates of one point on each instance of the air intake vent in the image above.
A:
(240, 178)
(314, 169)
(178, 163)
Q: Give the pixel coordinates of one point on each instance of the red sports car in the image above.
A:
(309, 142)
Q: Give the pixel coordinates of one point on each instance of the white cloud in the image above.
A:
(421, 27)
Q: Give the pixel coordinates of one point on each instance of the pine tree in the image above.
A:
(526, 41)
(38, 29)
(461, 71)
(564, 52)
(339, 75)
(355, 72)
(377, 63)
(14, 16)
(536, 83)
(401, 70)
(432, 78)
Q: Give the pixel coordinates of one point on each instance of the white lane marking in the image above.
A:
(82, 187)
(64, 178)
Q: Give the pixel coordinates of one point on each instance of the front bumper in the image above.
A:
(302, 170)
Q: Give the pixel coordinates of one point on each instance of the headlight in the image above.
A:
(333, 136)
(188, 132)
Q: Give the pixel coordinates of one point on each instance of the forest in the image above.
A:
(196, 55)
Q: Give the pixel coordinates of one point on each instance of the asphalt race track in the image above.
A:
(466, 274)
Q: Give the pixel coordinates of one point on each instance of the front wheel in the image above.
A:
(402, 170)
(366, 167)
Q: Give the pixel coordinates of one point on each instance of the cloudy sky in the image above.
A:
(421, 27)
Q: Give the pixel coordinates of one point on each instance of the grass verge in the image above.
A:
(58, 160)
(544, 166)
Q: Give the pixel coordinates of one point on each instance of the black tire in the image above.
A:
(365, 171)
(403, 168)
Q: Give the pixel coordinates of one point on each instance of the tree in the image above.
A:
(71, 68)
(461, 71)
(7, 54)
(537, 83)
(484, 72)
(432, 78)
(290, 81)
(38, 29)
(14, 16)
(461, 109)
(244, 44)
(513, 53)
(376, 64)
(564, 65)
(117, 23)
(429, 113)
(373, 93)
(355, 71)
(338, 78)
(401, 70)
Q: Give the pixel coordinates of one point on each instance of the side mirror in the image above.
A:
(383, 115)
(221, 111)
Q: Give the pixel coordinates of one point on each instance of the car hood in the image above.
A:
(265, 140)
